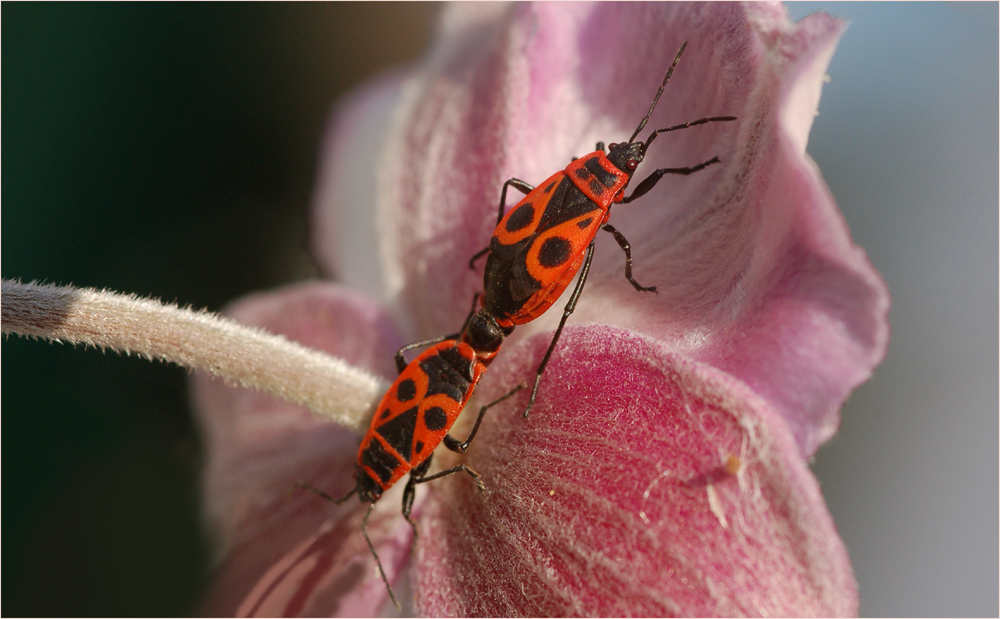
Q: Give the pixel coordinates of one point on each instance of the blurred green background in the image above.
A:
(165, 150)
(170, 150)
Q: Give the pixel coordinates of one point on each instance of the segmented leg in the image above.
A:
(627, 248)
(401, 360)
(650, 181)
(409, 493)
(454, 469)
(321, 494)
(570, 306)
(517, 183)
(461, 447)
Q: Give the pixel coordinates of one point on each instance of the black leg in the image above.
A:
(518, 184)
(461, 447)
(600, 146)
(479, 254)
(570, 306)
(454, 469)
(627, 248)
(401, 360)
(409, 493)
(304, 486)
(650, 181)
(525, 188)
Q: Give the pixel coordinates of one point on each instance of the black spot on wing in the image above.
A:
(549, 187)
(406, 391)
(554, 252)
(398, 432)
(583, 223)
(435, 418)
(379, 460)
(418, 449)
(520, 218)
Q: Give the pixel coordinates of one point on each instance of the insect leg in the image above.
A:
(627, 248)
(479, 254)
(409, 493)
(570, 306)
(461, 447)
(517, 183)
(650, 181)
(454, 469)
(321, 494)
(364, 531)
(401, 361)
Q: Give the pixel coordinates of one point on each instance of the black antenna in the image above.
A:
(659, 92)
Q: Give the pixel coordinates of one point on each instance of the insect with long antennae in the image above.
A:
(535, 252)
(548, 237)
(416, 414)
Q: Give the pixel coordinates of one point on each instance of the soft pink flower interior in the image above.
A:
(662, 470)
(755, 268)
(645, 485)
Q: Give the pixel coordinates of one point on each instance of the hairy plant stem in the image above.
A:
(199, 340)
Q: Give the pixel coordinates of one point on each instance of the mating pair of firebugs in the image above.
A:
(535, 252)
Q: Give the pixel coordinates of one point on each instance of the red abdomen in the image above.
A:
(418, 410)
(540, 243)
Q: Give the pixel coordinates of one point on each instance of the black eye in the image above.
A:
(631, 164)
(612, 145)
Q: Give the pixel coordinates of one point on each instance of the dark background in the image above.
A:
(170, 150)
(165, 150)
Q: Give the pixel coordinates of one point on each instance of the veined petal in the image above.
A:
(755, 267)
(643, 484)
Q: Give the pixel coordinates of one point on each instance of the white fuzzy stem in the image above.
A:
(194, 339)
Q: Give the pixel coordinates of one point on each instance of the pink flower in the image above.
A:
(664, 468)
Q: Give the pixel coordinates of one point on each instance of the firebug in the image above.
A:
(416, 414)
(541, 244)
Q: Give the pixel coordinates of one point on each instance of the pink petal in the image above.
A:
(644, 484)
(292, 552)
(345, 234)
(755, 267)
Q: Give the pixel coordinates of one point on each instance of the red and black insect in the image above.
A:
(417, 412)
(546, 238)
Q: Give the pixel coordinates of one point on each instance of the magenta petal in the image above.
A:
(258, 446)
(644, 484)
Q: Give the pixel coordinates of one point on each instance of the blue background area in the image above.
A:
(169, 150)
(907, 139)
